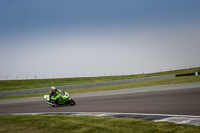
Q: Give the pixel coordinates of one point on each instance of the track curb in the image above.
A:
(178, 119)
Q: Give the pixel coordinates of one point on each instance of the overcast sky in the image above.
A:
(97, 37)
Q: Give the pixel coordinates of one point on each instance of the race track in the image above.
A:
(176, 102)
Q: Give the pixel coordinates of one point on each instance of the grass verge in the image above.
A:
(185, 79)
(10, 85)
(87, 124)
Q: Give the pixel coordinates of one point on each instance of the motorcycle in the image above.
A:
(62, 97)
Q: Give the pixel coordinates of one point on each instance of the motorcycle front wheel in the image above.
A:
(72, 102)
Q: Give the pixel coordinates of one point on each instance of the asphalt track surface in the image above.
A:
(182, 101)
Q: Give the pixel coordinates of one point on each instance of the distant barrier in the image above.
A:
(188, 74)
(27, 77)
(42, 90)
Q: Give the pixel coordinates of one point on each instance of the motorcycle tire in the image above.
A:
(72, 102)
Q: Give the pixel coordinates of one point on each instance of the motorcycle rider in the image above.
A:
(53, 93)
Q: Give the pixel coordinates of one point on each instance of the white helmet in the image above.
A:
(53, 88)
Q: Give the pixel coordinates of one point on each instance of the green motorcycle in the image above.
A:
(62, 97)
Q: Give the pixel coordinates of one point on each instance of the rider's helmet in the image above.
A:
(54, 89)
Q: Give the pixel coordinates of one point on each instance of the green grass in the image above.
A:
(90, 124)
(10, 85)
(87, 124)
(185, 79)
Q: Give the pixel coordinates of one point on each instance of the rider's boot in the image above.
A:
(49, 102)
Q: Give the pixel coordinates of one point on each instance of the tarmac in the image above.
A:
(95, 101)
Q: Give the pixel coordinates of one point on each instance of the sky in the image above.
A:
(84, 38)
